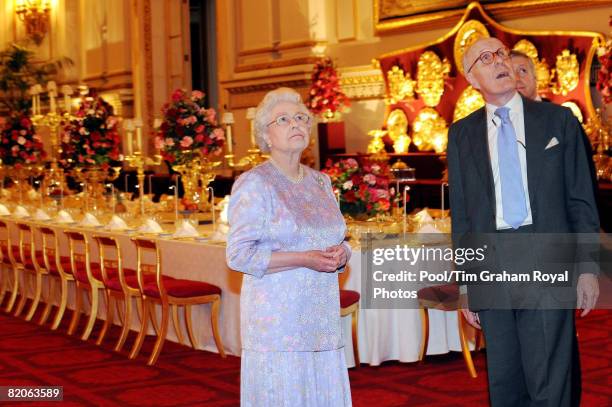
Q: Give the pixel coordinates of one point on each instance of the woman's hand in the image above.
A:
(324, 261)
(339, 253)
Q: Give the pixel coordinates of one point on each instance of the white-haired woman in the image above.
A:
(286, 235)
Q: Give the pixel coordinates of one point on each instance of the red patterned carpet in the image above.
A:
(92, 375)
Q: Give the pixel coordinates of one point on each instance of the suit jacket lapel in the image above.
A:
(535, 142)
(480, 149)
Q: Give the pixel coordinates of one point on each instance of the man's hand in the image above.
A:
(471, 318)
(587, 292)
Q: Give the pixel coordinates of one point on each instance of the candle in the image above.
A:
(113, 200)
(67, 92)
(128, 125)
(176, 198)
(52, 89)
(406, 188)
(442, 192)
(126, 182)
(138, 125)
(228, 120)
(250, 115)
(151, 184)
(211, 191)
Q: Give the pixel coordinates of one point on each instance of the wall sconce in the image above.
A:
(35, 17)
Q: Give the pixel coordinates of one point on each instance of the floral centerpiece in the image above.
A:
(363, 189)
(20, 144)
(188, 127)
(325, 96)
(91, 138)
(604, 76)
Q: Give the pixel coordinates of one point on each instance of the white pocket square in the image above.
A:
(553, 142)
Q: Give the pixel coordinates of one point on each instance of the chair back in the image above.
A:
(147, 272)
(6, 250)
(110, 258)
(79, 254)
(50, 250)
(26, 256)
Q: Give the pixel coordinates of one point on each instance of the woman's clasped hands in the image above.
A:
(328, 260)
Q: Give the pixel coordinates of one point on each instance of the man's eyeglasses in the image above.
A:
(488, 57)
(284, 120)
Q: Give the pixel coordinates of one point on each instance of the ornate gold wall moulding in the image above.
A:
(566, 71)
(397, 124)
(393, 16)
(401, 85)
(469, 101)
(468, 33)
(431, 73)
(575, 110)
(429, 131)
(541, 67)
(362, 82)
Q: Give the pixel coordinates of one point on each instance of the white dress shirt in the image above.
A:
(518, 121)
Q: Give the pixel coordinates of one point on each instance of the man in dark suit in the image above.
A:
(526, 79)
(518, 167)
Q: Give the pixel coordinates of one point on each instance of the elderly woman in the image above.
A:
(286, 235)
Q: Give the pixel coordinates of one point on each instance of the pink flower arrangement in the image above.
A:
(363, 189)
(188, 127)
(19, 144)
(92, 138)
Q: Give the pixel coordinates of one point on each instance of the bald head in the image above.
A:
(487, 68)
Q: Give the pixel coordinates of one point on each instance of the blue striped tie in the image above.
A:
(513, 194)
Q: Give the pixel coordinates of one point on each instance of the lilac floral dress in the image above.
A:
(292, 345)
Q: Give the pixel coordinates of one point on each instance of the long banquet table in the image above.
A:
(383, 334)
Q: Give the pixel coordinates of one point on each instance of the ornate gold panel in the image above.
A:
(431, 73)
(401, 86)
(469, 32)
(469, 101)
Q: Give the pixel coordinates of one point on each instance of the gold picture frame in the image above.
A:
(392, 16)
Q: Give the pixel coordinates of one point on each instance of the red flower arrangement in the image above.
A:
(363, 189)
(20, 145)
(326, 97)
(188, 126)
(92, 138)
(604, 76)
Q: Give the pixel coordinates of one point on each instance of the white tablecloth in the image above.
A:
(383, 334)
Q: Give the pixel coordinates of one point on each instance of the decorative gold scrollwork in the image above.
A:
(401, 86)
(567, 71)
(397, 124)
(429, 131)
(431, 72)
(376, 145)
(469, 32)
(575, 110)
(469, 101)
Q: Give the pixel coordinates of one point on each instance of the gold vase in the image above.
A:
(197, 172)
(94, 178)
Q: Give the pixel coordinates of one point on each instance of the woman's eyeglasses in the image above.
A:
(284, 120)
(487, 57)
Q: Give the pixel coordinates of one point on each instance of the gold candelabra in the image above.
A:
(196, 171)
(52, 120)
(92, 177)
(138, 160)
(254, 154)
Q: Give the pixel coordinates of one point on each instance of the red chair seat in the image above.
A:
(445, 293)
(182, 288)
(348, 298)
(130, 279)
(64, 261)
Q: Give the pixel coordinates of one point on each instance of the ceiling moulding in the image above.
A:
(391, 17)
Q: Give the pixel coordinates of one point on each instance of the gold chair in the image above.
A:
(169, 292)
(88, 277)
(7, 262)
(122, 287)
(57, 267)
(349, 305)
(26, 261)
(445, 298)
